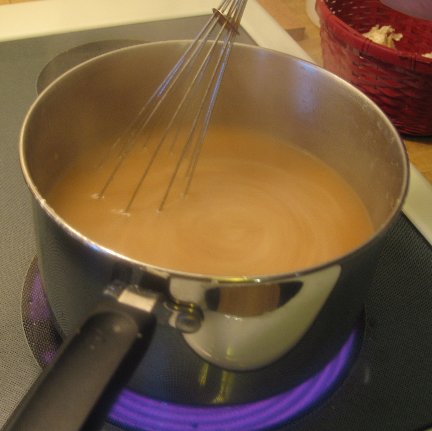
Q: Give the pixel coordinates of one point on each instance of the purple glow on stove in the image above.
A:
(39, 310)
(138, 412)
(48, 356)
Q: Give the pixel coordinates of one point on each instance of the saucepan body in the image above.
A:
(204, 344)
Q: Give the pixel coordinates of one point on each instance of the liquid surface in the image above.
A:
(255, 206)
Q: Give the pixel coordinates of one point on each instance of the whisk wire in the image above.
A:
(211, 90)
(144, 116)
(167, 130)
(195, 157)
(227, 17)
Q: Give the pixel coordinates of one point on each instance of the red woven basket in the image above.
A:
(398, 79)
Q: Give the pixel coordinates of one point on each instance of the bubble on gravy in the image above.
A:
(256, 206)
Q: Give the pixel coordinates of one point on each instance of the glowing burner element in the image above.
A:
(137, 412)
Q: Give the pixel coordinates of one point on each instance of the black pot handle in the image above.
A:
(76, 391)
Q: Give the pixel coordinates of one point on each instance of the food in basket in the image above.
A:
(403, 89)
(427, 55)
(383, 35)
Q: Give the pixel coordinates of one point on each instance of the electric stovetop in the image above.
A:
(381, 379)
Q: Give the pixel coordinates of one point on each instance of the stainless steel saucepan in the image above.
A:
(315, 309)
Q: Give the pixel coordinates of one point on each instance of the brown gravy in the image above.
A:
(256, 206)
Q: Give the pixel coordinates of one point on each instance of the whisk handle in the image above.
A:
(77, 390)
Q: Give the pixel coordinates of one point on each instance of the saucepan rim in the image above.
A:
(209, 278)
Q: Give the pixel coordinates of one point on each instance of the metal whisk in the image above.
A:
(193, 84)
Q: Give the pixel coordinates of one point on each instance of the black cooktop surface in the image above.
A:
(389, 384)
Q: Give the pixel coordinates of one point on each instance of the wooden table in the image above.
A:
(291, 14)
